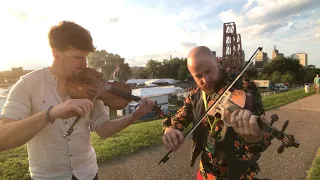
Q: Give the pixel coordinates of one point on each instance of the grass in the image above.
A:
(277, 100)
(314, 171)
(128, 140)
(14, 163)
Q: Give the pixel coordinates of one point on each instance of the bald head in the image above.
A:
(200, 53)
(204, 68)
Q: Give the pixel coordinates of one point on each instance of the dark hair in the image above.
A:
(68, 34)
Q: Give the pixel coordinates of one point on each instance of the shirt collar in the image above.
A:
(50, 76)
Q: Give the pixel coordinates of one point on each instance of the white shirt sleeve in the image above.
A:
(18, 104)
(99, 114)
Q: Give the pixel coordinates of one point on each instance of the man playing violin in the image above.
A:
(216, 143)
(39, 111)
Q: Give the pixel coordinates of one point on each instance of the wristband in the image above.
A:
(48, 117)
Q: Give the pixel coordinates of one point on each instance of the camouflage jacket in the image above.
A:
(213, 165)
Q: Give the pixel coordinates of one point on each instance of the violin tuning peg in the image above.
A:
(284, 126)
(280, 149)
(274, 117)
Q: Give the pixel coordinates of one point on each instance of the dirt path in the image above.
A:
(293, 163)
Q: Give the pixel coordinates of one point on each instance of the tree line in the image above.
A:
(278, 70)
(105, 63)
(286, 70)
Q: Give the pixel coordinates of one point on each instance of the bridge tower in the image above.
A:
(232, 48)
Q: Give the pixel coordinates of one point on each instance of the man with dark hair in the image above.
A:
(226, 152)
(39, 111)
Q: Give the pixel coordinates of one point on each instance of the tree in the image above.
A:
(105, 63)
(175, 68)
(284, 65)
(143, 74)
(154, 68)
(135, 71)
(264, 76)
(183, 72)
(288, 78)
(311, 73)
(275, 77)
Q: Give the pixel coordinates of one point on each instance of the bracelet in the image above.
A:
(48, 117)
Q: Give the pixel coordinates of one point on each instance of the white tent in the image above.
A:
(158, 94)
(155, 91)
(137, 81)
(160, 81)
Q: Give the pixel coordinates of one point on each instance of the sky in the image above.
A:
(139, 30)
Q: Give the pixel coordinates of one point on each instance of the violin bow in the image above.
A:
(167, 156)
(71, 129)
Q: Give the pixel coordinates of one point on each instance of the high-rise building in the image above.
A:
(275, 52)
(261, 59)
(302, 57)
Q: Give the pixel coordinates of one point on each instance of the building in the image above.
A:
(261, 59)
(302, 57)
(275, 53)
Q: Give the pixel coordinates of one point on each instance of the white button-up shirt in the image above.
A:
(52, 156)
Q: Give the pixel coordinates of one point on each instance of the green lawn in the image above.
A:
(314, 172)
(14, 164)
(276, 100)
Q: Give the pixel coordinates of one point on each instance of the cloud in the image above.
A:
(271, 10)
(269, 17)
(142, 60)
(188, 44)
(143, 30)
(230, 16)
(248, 5)
(114, 20)
(19, 14)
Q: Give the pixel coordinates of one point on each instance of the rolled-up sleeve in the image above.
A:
(18, 103)
(99, 114)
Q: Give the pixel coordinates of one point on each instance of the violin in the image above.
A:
(239, 100)
(229, 100)
(91, 85)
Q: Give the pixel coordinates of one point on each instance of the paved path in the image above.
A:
(293, 163)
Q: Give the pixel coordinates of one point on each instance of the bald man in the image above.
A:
(227, 152)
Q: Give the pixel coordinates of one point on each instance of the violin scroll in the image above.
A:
(287, 140)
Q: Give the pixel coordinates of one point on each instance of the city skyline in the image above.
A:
(268, 57)
(141, 30)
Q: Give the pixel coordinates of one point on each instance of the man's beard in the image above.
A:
(213, 86)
